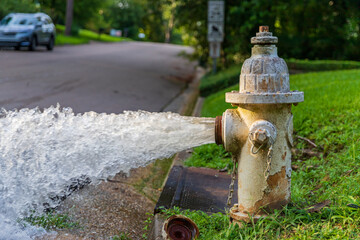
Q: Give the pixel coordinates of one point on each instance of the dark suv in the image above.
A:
(27, 30)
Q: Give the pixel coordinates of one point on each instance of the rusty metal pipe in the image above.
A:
(178, 227)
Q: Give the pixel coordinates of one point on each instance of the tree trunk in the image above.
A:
(69, 16)
(169, 30)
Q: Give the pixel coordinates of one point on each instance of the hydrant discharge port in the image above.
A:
(178, 227)
(218, 130)
(259, 132)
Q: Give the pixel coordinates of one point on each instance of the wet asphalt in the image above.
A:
(100, 77)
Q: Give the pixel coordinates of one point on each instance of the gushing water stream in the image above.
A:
(41, 151)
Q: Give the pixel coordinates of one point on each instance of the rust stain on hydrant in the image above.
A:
(273, 198)
(259, 132)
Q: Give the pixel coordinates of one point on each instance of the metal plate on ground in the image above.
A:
(196, 189)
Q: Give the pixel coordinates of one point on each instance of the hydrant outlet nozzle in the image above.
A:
(218, 130)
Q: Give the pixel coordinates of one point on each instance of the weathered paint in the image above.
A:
(264, 95)
(254, 191)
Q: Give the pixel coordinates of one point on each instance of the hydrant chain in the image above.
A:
(253, 146)
(231, 186)
(268, 166)
(266, 140)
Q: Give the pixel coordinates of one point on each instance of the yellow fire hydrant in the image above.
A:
(259, 132)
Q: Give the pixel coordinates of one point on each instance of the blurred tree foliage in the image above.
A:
(313, 29)
(153, 20)
(192, 15)
(8, 6)
(126, 15)
(84, 11)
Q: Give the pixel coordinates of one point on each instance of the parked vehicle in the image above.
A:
(27, 30)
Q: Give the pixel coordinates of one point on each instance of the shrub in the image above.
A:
(321, 65)
(213, 83)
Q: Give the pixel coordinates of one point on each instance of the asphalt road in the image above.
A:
(99, 77)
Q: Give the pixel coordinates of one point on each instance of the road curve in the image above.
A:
(100, 77)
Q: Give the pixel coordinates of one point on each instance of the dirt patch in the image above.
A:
(107, 210)
(116, 207)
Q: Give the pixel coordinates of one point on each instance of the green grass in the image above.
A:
(84, 36)
(211, 84)
(87, 34)
(330, 116)
(52, 221)
(288, 223)
(69, 40)
(210, 156)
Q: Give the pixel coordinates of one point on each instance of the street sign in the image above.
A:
(215, 29)
(215, 21)
(215, 32)
(216, 11)
(215, 49)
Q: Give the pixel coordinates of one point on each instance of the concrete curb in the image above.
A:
(185, 102)
(198, 107)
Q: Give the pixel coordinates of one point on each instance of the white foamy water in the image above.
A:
(41, 152)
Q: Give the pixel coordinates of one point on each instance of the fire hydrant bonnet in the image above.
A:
(264, 77)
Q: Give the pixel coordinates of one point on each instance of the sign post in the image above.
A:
(215, 29)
